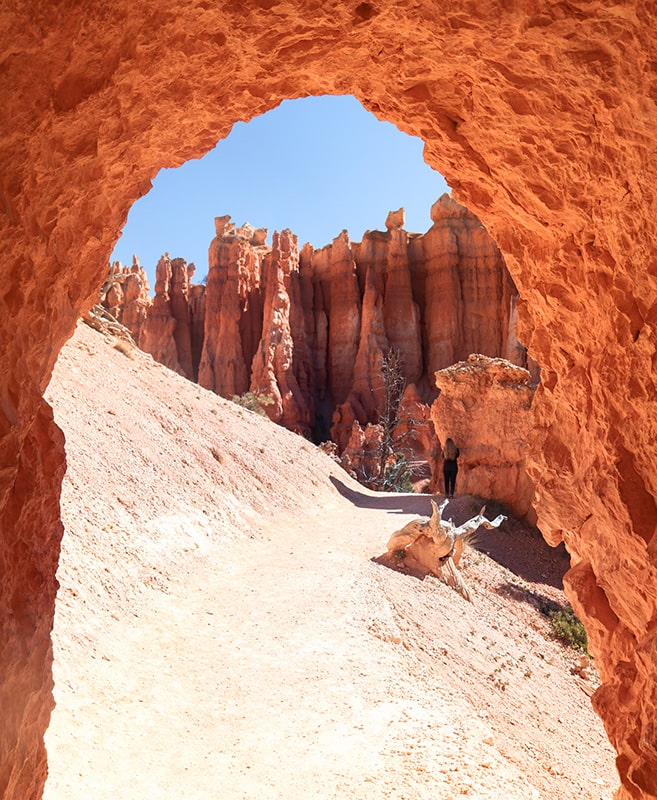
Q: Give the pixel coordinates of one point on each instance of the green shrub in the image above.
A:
(254, 402)
(568, 628)
(397, 476)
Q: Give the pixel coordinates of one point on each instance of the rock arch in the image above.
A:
(542, 118)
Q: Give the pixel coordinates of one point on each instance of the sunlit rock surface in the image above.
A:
(484, 405)
(310, 328)
(542, 120)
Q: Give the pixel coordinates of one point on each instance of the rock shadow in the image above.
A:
(392, 502)
(543, 604)
(523, 550)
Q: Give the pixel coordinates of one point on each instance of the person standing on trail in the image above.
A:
(450, 466)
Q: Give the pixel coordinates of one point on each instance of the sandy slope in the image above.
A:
(223, 631)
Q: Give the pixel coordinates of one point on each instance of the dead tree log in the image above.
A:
(437, 543)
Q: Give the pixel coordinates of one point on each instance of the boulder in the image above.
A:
(484, 405)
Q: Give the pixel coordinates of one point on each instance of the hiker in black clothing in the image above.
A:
(450, 466)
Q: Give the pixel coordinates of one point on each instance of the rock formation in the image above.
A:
(413, 438)
(485, 406)
(281, 366)
(542, 119)
(311, 328)
(166, 326)
(463, 290)
(157, 332)
(233, 309)
(360, 454)
(415, 431)
(135, 302)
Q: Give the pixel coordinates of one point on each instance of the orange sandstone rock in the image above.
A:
(273, 367)
(484, 405)
(466, 296)
(157, 335)
(367, 389)
(361, 455)
(334, 269)
(542, 119)
(334, 312)
(360, 444)
(29, 550)
(136, 300)
(233, 310)
(181, 275)
(414, 434)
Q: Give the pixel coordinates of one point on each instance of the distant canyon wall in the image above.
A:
(309, 327)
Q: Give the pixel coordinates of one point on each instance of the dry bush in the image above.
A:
(125, 347)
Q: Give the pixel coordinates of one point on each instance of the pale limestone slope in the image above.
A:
(222, 630)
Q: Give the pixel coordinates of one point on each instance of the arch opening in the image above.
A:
(184, 534)
(430, 283)
(501, 113)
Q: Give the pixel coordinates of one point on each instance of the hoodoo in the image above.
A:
(540, 116)
(310, 328)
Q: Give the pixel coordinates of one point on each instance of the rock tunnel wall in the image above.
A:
(540, 115)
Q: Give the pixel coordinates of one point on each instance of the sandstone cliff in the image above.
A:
(310, 328)
(166, 326)
(233, 309)
(128, 298)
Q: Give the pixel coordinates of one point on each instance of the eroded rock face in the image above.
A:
(233, 310)
(415, 432)
(135, 299)
(283, 350)
(541, 118)
(310, 329)
(360, 447)
(30, 506)
(166, 332)
(484, 405)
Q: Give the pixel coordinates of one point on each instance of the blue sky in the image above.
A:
(315, 165)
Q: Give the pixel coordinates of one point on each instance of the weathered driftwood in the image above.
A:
(100, 319)
(447, 540)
